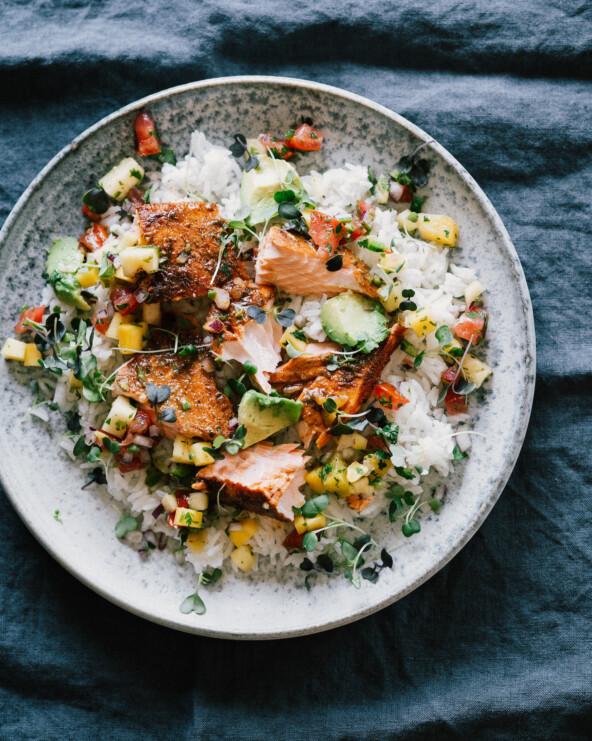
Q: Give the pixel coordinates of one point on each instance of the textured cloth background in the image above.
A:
(498, 644)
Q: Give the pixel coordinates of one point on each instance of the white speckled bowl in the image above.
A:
(38, 481)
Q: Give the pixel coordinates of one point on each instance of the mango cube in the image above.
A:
(288, 337)
(32, 355)
(196, 541)
(87, 276)
(475, 370)
(130, 338)
(119, 417)
(356, 471)
(185, 517)
(14, 350)
(139, 259)
(151, 313)
(241, 532)
(473, 290)
(390, 296)
(314, 480)
(243, 558)
(308, 524)
(199, 501)
(116, 321)
(120, 179)
(199, 454)
(438, 228)
(182, 449)
(73, 382)
(421, 322)
(407, 221)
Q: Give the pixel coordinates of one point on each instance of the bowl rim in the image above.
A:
(527, 395)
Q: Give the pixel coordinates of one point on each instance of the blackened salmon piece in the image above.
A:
(190, 239)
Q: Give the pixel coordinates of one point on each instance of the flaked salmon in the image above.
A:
(293, 375)
(264, 478)
(292, 264)
(350, 385)
(189, 237)
(241, 338)
(201, 410)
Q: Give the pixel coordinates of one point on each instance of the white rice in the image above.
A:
(210, 173)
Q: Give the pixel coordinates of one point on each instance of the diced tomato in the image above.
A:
(100, 321)
(376, 442)
(387, 395)
(135, 464)
(455, 403)
(171, 520)
(182, 499)
(35, 314)
(305, 138)
(276, 146)
(94, 237)
(90, 214)
(449, 374)
(293, 541)
(472, 325)
(325, 231)
(136, 197)
(365, 214)
(148, 141)
(140, 423)
(124, 300)
(400, 193)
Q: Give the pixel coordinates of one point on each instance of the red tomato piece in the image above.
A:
(455, 403)
(182, 499)
(148, 141)
(100, 321)
(276, 146)
(365, 214)
(90, 214)
(94, 237)
(376, 442)
(325, 231)
(472, 325)
(135, 464)
(124, 300)
(140, 423)
(293, 541)
(35, 314)
(304, 138)
(449, 374)
(387, 395)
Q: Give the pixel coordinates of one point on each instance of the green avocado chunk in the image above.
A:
(259, 185)
(263, 415)
(63, 261)
(354, 320)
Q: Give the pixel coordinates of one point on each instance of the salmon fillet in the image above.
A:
(240, 337)
(292, 264)
(189, 236)
(210, 411)
(263, 478)
(351, 383)
(292, 376)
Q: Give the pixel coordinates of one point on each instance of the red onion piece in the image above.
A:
(142, 441)
(233, 424)
(141, 295)
(214, 325)
(396, 191)
(135, 196)
(127, 457)
(157, 512)
(154, 431)
(110, 309)
(162, 541)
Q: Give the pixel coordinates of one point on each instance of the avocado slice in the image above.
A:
(63, 260)
(259, 185)
(354, 320)
(263, 415)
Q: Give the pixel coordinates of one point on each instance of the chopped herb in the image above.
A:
(458, 454)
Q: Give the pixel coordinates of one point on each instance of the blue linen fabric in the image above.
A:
(498, 644)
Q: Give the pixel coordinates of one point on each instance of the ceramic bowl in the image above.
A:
(39, 481)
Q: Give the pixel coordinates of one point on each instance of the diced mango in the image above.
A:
(120, 415)
(169, 502)
(336, 478)
(129, 238)
(182, 449)
(151, 314)
(473, 290)
(454, 345)
(130, 338)
(308, 524)
(390, 296)
(288, 337)
(475, 370)
(360, 442)
(438, 228)
(121, 276)
(407, 221)
(199, 454)
(241, 532)
(116, 321)
(120, 179)
(196, 542)
(87, 276)
(139, 259)
(14, 350)
(185, 517)
(376, 464)
(243, 558)
(199, 500)
(32, 355)
(391, 261)
(356, 471)
(363, 487)
(421, 322)
(314, 480)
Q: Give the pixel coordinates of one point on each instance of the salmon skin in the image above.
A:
(350, 385)
(264, 478)
(209, 412)
(241, 338)
(295, 373)
(189, 237)
(294, 265)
